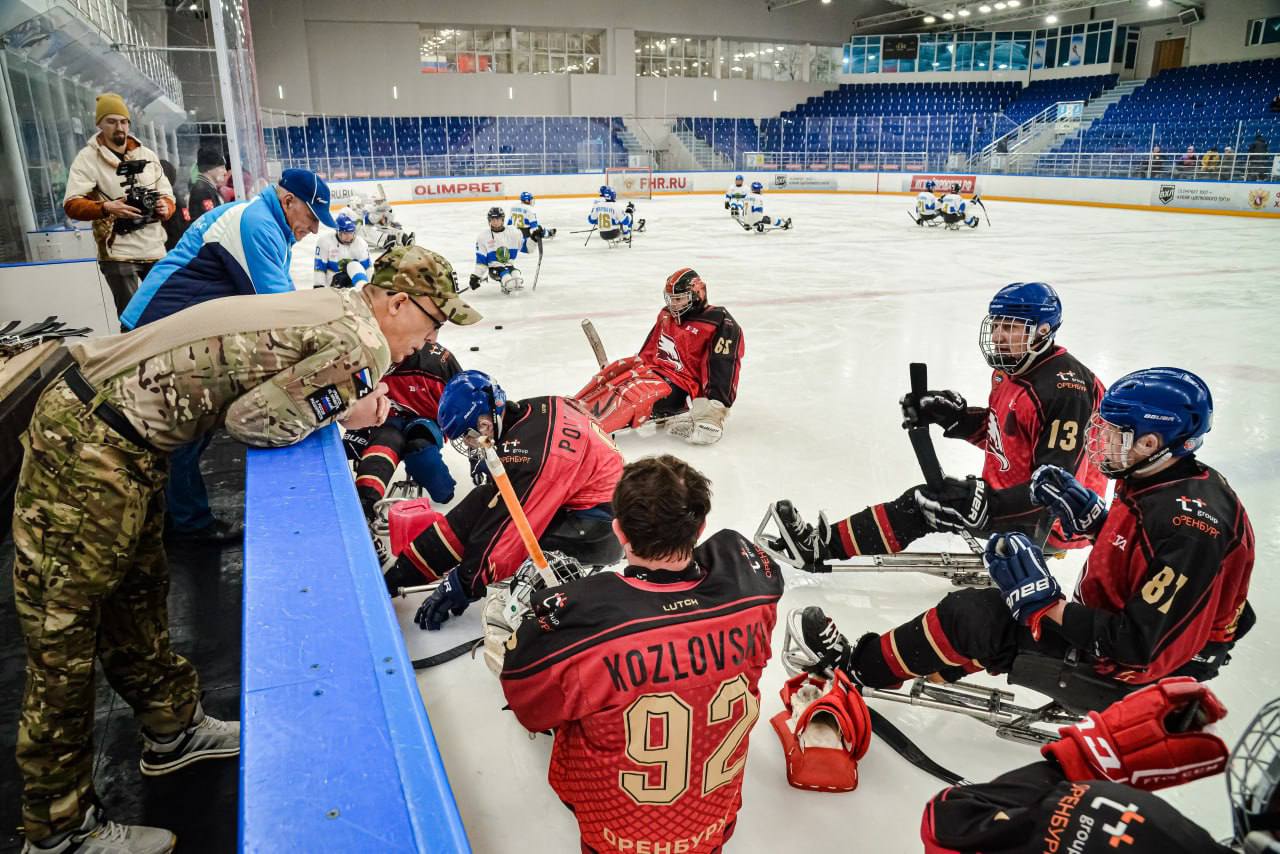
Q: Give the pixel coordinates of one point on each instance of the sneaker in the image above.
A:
(99, 836)
(206, 738)
(814, 645)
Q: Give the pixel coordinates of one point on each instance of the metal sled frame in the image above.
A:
(993, 706)
(962, 570)
(401, 490)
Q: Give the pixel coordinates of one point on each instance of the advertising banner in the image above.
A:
(968, 183)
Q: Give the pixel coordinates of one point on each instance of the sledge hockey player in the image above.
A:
(1039, 407)
(660, 661)
(954, 210)
(562, 468)
(686, 374)
(342, 256)
(735, 197)
(378, 224)
(927, 206)
(525, 218)
(753, 215)
(613, 223)
(1163, 592)
(497, 248)
(1093, 787)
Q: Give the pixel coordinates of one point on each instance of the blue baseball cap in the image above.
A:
(308, 186)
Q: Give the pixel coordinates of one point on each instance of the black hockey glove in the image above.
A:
(479, 471)
(1078, 508)
(726, 205)
(448, 598)
(960, 505)
(944, 408)
(474, 281)
(537, 234)
(631, 207)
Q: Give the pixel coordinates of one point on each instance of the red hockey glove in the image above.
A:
(825, 729)
(1151, 739)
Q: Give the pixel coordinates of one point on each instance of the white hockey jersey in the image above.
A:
(753, 208)
(523, 216)
(926, 204)
(498, 249)
(953, 204)
(735, 196)
(609, 215)
(333, 256)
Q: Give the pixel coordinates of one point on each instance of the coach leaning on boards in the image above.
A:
(129, 239)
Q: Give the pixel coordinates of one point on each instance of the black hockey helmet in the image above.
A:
(684, 292)
(496, 212)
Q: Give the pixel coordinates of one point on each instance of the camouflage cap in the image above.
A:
(420, 272)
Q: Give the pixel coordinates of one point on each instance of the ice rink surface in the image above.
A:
(832, 312)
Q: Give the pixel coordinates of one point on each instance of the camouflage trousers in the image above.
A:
(90, 581)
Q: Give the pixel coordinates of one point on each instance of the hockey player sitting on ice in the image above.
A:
(562, 468)
(1039, 406)
(342, 256)
(1092, 792)
(613, 223)
(1163, 592)
(734, 197)
(379, 225)
(927, 206)
(649, 676)
(955, 210)
(525, 218)
(753, 215)
(686, 374)
(497, 248)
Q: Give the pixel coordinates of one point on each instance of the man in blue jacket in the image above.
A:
(237, 249)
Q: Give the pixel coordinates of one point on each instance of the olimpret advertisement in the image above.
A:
(1249, 197)
(968, 183)
(446, 188)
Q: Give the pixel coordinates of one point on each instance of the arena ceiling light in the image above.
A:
(1000, 5)
(963, 13)
(948, 16)
(1051, 19)
(1154, 3)
(929, 19)
(1013, 4)
(984, 8)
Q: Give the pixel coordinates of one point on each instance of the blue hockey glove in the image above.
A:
(448, 598)
(1017, 566)
(1078, 508)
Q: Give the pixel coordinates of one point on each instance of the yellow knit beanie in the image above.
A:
(110, 104)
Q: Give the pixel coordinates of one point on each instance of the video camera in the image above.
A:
(139, 198)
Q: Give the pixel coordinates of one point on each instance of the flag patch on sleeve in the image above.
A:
(326, 402)
(363, 381)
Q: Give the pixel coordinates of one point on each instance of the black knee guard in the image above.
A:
(880, 529)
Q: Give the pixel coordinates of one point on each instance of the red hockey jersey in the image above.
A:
(414, 386)
(649, 680)
(1034, 419)
(557, 459)
(1168, 574)
(701, 353)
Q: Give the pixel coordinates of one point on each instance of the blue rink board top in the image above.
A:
(337, 751)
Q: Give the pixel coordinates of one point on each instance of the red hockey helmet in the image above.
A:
(685, 290)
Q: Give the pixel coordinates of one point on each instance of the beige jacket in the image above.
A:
(93, 181)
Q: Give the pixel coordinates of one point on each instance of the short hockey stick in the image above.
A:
(922, 443)
(978, 201)
(501, 480)
(448, 655)
(537, 272)
(593, 338)
(909, 750)
(589, 233)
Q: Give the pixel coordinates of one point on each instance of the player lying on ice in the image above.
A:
(686, 374)
(652, 669)
(562, 468)
(497, 249)
(753, 215)
(1162, 593)
(1039, 406)
(1091, 792)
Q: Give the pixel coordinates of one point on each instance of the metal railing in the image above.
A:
(1158, 165)
(133, 42)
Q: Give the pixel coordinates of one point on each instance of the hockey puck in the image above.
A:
(499, 326)
(475, 349)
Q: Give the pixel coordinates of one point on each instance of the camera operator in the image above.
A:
(117, 183)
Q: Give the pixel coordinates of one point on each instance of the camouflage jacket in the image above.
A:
(271, 367)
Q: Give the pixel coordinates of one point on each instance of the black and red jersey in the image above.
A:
(557, 457)
(649, 680)
(414, 386)
(1168, 574)
(1036, 809)
(1036, 418)
(700, 353)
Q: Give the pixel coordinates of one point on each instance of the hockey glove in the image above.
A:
(1018, 569)
(479, 471)
(726, 205)
(474, 281)
(1078, 508)
(960, 505)
(944, 408)
(448, 598)
(1152, 739)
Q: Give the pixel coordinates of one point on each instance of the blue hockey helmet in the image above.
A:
(467, 397)
(1172, 403)
(609, 194)
(1020, 323)
(526, 197)
(737, 179)
(345, 224)
(929, 185)
(757, 187)
(604, 190)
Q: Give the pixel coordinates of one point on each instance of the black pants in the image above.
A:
(672, 404)
(123, 277)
